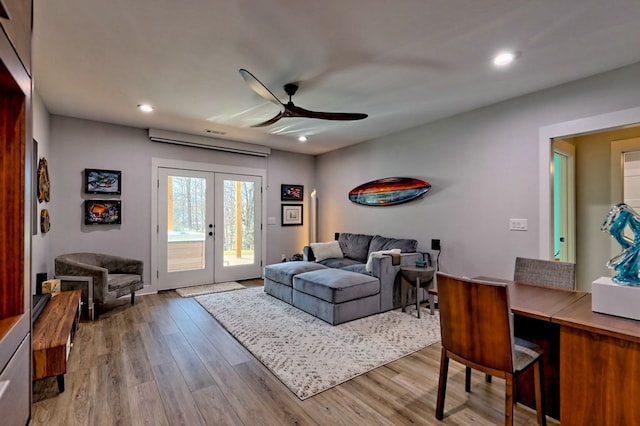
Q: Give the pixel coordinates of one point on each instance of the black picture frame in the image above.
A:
(101, 181)
(292, 214)
(102, 212)
(291, 192)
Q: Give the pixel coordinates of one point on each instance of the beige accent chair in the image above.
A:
(107, 277)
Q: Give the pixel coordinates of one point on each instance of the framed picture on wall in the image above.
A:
(291, 192)
(98, 181)
(102, 212)
(291, 214)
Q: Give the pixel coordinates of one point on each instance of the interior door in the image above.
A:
(238, 227)
(185, 228)
(564, 241)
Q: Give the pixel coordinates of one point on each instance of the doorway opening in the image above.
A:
(592, 188)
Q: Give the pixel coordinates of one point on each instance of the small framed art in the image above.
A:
(291, 214)
(98, 181)
(291, 192)
(102, 212)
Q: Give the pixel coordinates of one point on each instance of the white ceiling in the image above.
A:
(404, 63)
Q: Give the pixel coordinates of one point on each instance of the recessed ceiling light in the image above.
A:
(302, 139)
(504, 58)
(145, 107)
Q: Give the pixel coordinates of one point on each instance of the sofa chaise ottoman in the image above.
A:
(336, 295)
(278, 278)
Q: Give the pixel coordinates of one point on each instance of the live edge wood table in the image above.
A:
(53, 334)
(600, 367)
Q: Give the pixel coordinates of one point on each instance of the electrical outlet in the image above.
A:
(517, 224)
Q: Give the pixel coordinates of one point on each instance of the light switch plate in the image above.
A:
(517, 224)
(271, 220)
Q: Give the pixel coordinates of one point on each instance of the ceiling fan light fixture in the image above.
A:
(145, 107)
(505, 58)
(302, 139)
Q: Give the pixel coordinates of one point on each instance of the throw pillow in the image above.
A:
(329, 250)
(369, 264)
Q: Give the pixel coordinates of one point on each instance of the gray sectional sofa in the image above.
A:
(351, 285)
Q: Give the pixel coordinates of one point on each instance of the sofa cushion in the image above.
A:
(284, 272)
(379, 243)
(329, 250)
(355, 246)
(340, 263)
(117, 281)
(356, 267)
(336, 285)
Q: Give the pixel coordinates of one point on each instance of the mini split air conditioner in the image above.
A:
(208, 143)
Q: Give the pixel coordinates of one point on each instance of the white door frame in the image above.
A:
(546, 135)
(206, 167)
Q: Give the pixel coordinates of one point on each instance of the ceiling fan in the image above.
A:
(289, 109)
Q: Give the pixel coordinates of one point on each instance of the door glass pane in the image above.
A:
(559, 206)
(238, 223)
(186, 225)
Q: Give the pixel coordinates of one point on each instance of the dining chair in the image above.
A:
(549, 273)
(476, 326)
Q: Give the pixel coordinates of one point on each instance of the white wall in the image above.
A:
(40, 243)
(292, 169)
(484, 169)
(77, 144)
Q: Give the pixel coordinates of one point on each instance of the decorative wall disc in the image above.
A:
(45, 224)
(44, 185)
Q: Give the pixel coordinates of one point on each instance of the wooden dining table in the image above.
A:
(534, 307)
(600, 364)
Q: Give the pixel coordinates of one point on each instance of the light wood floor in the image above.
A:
(166, 361)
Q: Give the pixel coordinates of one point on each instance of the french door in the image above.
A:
(208, 227)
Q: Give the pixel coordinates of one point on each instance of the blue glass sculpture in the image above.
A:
(627, 263)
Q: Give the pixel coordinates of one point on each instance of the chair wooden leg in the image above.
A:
(487, 378)
(133, 298)
(539, 386)
(442, 384)
(467, 379)
(508, 400)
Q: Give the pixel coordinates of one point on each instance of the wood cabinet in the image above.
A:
(15, 196)
(600, 366)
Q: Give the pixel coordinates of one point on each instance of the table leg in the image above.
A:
(404, 288)
(60, 379)
(418, 295)
(432, 303)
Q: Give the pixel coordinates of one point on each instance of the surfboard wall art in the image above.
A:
(388, 191)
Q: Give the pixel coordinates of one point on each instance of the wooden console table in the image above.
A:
(600, 361)
(53, 334)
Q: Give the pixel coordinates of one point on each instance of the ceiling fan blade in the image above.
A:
(259, 88)
(341, 116)
(270, 121)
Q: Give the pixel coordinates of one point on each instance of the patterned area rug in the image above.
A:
(208, 288)
(309, 355)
